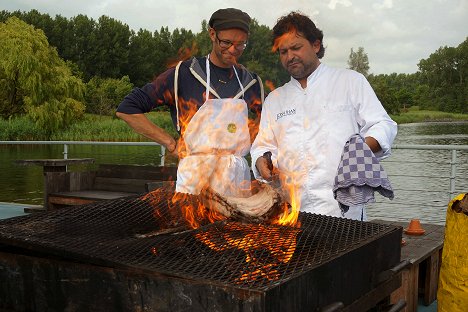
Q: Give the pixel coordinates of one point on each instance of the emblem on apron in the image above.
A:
(232, 128)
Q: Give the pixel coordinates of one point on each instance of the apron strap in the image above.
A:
(208, 80)
(238, 80)
(176, 96)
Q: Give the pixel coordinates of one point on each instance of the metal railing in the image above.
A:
(452, 148)
(67, 143)
(423, 177)
(453, 161)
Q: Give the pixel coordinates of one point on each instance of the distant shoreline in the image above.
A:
(416, 116)
(109, 128)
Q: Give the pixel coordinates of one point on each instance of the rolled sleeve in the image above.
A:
(373, 119)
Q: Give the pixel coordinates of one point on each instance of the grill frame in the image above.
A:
(44, 268)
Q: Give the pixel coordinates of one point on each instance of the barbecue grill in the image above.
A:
(139, 254)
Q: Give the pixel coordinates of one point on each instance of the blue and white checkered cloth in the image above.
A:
(359, 174)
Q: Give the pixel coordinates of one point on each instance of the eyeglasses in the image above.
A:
(226, 44)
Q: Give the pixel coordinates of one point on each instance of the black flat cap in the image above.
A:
(230, 18)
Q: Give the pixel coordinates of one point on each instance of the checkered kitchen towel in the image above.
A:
(359, 174)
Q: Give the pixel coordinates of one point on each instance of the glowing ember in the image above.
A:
(259, 239)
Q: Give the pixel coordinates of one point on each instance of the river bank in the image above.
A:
(109, 128)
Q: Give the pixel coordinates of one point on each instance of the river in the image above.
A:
(420, 178)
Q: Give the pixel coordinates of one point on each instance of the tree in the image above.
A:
(142, 57)
(358, 61)
(110, 46)
(103, 95)
(445, 72)
(35, 80)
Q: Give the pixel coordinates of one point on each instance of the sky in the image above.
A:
(395, 34)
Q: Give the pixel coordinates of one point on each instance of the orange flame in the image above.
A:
(292, 31)
(279, 243)
(183, 54)
(270, 85)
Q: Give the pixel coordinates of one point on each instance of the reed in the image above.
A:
(415, 115)
(110, 128)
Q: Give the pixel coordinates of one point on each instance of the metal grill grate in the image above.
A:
(248, 256)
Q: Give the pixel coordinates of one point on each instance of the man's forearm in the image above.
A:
(373, 144)
(142, 125)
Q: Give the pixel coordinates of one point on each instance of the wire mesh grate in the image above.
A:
(148, 233)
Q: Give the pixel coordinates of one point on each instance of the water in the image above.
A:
(420, 178)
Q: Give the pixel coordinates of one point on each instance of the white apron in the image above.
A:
(217, 139)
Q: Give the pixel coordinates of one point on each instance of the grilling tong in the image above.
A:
(274, 181)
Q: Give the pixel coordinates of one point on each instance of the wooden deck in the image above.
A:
(420, 279)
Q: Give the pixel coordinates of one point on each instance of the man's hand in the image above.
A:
(173, 148)
(373, 144)
(142, 125)
(265, 167)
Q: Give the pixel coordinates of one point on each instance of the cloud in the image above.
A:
(396, 34)
(332, 4)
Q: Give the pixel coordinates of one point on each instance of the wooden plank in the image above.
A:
(432, 278)
(155, 173)
(70, 201)
(120, 185)
(60, 198)
(424, 253)
(408, 290)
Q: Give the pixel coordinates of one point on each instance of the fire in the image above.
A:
(183, 54)
(258, 239)
(270, 85)
(292, 31)
(290, 215)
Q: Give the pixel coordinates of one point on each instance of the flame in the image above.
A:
(292, 31)
(270, 85)
(259, 238)
(195, 211)
(289, 216)
(183, 54)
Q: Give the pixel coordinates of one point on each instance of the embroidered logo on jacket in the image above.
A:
(287, 112)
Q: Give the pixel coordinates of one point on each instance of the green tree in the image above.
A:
(35, 80)
(445, 72)
(83, 39)
(103, 95)
(143, 53)
(109, 50)
(359, 61)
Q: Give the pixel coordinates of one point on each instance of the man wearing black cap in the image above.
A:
(215, 104)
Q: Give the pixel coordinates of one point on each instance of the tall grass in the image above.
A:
(108, 128)
(90, 128)
(416, 115)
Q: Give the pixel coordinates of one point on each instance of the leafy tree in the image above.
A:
(384, 92)
(83, 39)
(259, 58)
(104, 95)
(143, 53)
(109, 48)
(359, 61)
(202, 39)
(445, 72)
(35, 80)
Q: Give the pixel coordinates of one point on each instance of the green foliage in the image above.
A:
(104, 95)
(35, 80)
(107, 128)
(106, 48)
(446, 74)
(259, 58)
(359, 61)
(20, 129)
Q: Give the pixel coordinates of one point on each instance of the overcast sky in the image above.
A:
(395, 34)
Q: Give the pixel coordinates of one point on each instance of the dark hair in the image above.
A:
(302, 24)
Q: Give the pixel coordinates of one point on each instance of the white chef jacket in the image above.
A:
(306, 131)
